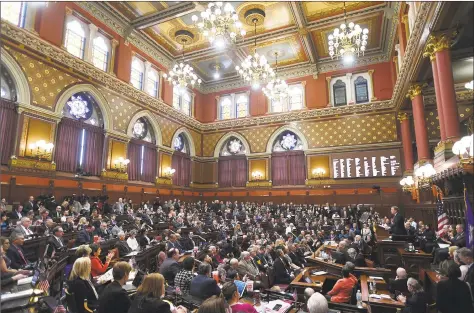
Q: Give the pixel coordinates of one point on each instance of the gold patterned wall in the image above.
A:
(258, 138)
(432, 120)
(209, 142)
(168, 129)
(197, 141)
(45, 82)
(121, 109)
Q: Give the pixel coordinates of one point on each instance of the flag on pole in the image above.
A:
(442, 216)
(469, 221)
(43, 285)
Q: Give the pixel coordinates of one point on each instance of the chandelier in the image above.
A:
(407, 183)
(255, 68)
(220, 24)
(182, 74)
(424, 175)
(348, 41)
(276, 89)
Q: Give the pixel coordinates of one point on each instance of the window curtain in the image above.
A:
(181, 163)
(93, 149)
(8, 124)
(232, 171)
(134, 155)
(149, 163)
(288, 168)
(67, 150)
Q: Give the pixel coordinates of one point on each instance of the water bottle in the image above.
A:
(359, 299)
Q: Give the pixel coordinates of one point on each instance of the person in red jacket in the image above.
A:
(342, 290)
(97, 267)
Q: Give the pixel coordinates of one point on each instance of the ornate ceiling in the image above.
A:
(296, 30)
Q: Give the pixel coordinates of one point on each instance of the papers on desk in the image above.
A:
(376, 278)
(133, 253)
(319, 273)
(283, 306)
(107, 276)
(25, 281)
(443, 245)
(20, 294)
(387, 239)
(375, 296)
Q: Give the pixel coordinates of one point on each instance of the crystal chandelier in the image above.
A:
(276, 89)
(255, 68)
(220, 24)
(348, 41)
(182, 74)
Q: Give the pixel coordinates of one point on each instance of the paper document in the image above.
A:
(376, 277)
(320, 273)
(24, 281)
(20, 294)
(443, 245)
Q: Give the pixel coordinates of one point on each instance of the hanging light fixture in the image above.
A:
(255, 68)
(277, 89)
(182, 74)
(347, 41)
(220, 24)
(217, 75)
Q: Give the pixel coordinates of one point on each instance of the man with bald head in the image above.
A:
(400, 282)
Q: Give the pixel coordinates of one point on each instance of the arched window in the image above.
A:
(232, 146)
(142, 152)
(100, 52)
(361, 90)
(7, 86)
(80, 141)
(14, 12)
(294, 101)
(182, 100)
(339, 91)
(181, 161)
(138, 73)
(288, 160)
(152, 82)
(75, 40)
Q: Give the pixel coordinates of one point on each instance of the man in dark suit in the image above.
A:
(18, 213)
(203, 286)
(122, 245)
(30, 205)
(400, 282)
(102, 231)
(15, 252)
(55, 242)
(173, 243)
(170, 266)
(452, 294)
(57, 213)
(410, 230)
(398, 223)
(459, 240)
(360, 244)
(280, 268)
(296, 258)
(114, 299)
(356, 258)
(465, 257)
(84, 236)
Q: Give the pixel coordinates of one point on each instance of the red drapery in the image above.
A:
(67, 151)
(134, 155)
(181, 163)
(232, 171)
(149, 163)
(8, 124)
(288, 168)
(93, 149)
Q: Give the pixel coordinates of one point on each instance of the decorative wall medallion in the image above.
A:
(234, 146)
(78, 107)
(288, 142)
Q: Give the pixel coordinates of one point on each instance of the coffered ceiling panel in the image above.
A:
(320, 10)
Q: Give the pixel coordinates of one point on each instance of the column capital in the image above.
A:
(403, 116)
(93, 28)
(115, 43)
(395, 59)
(429, 50)
(414, 90)
(68, 11)
(405, 19)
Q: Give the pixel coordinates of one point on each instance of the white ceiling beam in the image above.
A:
(165, 15)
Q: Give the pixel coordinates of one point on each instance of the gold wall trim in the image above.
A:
(32, 164)
(203, 186)
(163, 181)
(112, 175)
(254, 184)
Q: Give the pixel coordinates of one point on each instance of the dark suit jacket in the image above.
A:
(469, 278)
(359, 261)
(296, 259)
(417, 303)
(14, 255)
(123, 248)
(82, 290)
(203, 287)
(280, 271)
(83, 238)
(459, 240)
(14, 215)
(142, 304)
(339, 257)
(398, 285)
(99, 232)
(114, 299)
(28, 207)
(176, 245)
(169, 269)
(398, 226)
(53, 245)
(453, 295)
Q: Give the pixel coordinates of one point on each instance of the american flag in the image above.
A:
(43, 285)
(442, 216)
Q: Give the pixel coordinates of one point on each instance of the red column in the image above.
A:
(401, 40)
(439, 101)
(421, 134)
(446, 88)
(406, 140)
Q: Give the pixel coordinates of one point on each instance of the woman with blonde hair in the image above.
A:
(81, 224)
(81, 287)
(149, 294)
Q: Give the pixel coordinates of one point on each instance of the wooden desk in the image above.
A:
(378, 305)
(335, 269)
(430, 280)
(300, 283)
(414, 261)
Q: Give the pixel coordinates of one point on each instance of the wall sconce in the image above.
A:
(168, 172)
(424, 174)
(121, 164)
(318, 173)
(41, 149)
(407, 183)
(469, 85)
(257, 175)
(464, 148)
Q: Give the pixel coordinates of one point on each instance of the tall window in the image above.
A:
(233, 106)
(138, 73)
(294, 101)
(152, 82)
(75, 40)
(182, 100)
(14, 12)
(100, 52)
(361, 90)
(339, 90)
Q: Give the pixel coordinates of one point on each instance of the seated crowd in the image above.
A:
(266, 244)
